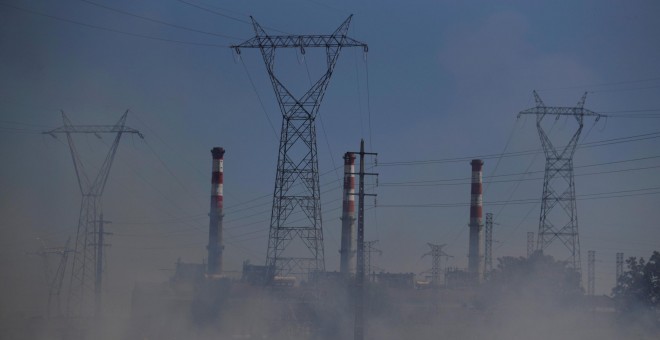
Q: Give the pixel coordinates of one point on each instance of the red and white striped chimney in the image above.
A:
(216, 246)
(475, 262)
(348, 235)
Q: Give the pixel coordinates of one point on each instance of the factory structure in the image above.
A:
(305, 288)
(215, 246)
(475, 258)
(203, 290)
(348, 232)
(293, 281)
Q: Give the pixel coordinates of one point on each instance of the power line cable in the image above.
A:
(261, 103)
(325, 135)
(599, 143)
(158, 21)
(215, 12)
(439, 182)
(583, 197)
(368, 103)
(167, 168)
(153, 132)
(625, 89)
(506, 146)
(137, 35)
(602, 84)
(228, 16)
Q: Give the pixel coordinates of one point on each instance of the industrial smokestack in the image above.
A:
(215, 246)
(348, 236)
(475, 263)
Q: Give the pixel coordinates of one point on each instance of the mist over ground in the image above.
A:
(441, 84)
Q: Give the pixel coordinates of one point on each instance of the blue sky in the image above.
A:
(442, 80)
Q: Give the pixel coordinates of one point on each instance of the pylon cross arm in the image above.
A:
(559, 111)
(300, 41)
(93, 129)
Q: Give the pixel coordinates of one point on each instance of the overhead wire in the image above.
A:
(440, 182)
(623, 82)
(214, 12)
(261, 103)
(506, 146)
(359, 90)
(229, 16)
(167, 168)
(116, 10)
(599, 143)
(137, 35)
(523, 201)
(195, 226)
(325, 134)
(230, 210)
(366, 63)
(152, 132)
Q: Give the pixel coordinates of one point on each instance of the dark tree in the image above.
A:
(639, 286)
(539, 278)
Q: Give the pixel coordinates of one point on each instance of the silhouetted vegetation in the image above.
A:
(639, 286)
(538, 278)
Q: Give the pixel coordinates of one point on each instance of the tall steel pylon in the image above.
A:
(488, 245)
(54, 281)
(558, 183)
(84, 275)
(369, 248)
(530, 243)
(436, 254)
(619, 266)
(591, 272)
(297, 181)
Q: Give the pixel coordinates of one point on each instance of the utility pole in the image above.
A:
(436, 254)
(85, 250)
(358, 333)
(297, 164)
(530, 243)
(558, 183)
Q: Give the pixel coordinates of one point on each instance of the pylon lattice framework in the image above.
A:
(369, 248)
(619, 266)
(488, 246)
(436, 254)
(558, 182)
(83, 269)
(591, 272)
(297, 180)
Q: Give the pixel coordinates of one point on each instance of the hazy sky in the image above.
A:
(443, 80)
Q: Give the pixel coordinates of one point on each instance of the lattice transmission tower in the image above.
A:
(619, 267)
(530, 243)
(558, 219)
(436, 254)
(591, 272)
(370, 248)
(488, 245)
(85, 276)
(297, 190)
